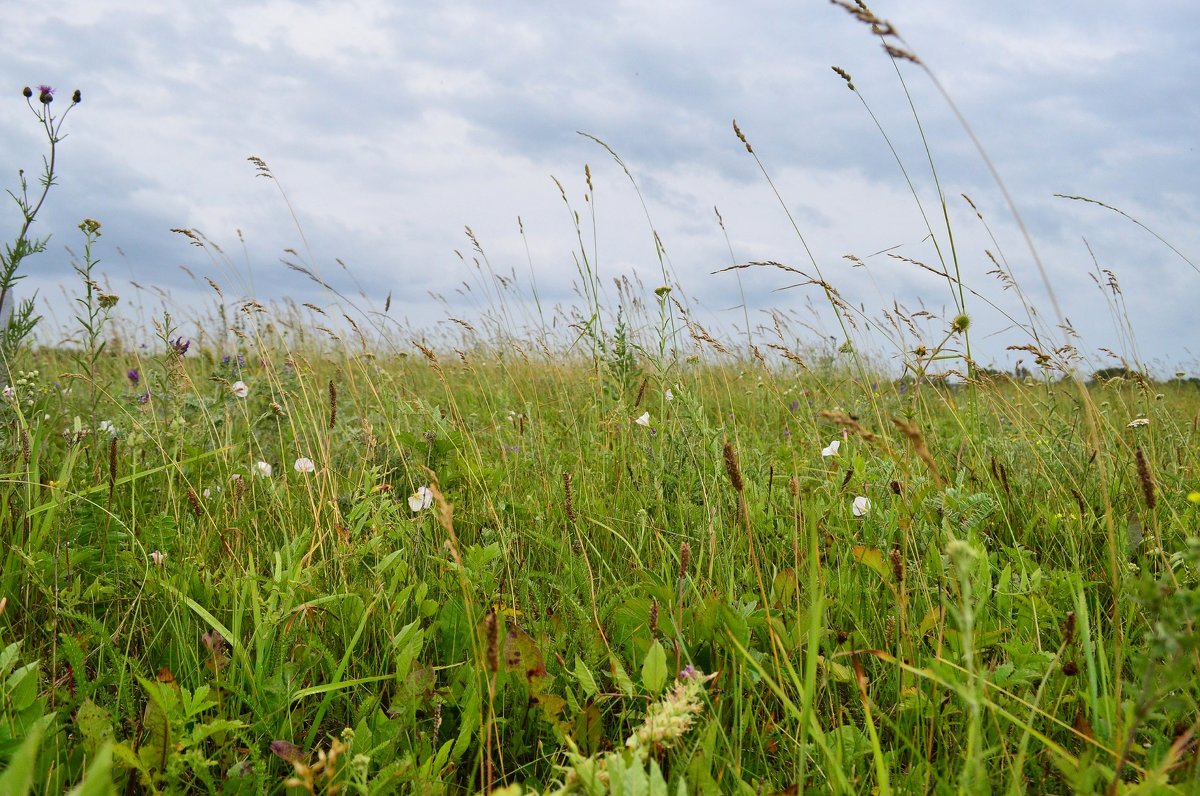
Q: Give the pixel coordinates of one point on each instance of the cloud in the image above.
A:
(390, 128)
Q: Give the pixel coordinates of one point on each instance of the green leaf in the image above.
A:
(654, 668)
(98, 779)
(584, 675)
(95, 726)
(17, 780)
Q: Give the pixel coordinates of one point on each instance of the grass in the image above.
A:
(306, 553)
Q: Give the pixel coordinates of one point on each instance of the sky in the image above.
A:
(390, 127)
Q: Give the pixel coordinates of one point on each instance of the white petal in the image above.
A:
(832, 448)
(861, 506)
(304, 465)
(644, 420)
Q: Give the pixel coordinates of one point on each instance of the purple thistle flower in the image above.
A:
(45, 94)
(134, 376)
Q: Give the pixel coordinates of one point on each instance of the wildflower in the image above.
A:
(831, 449)
(263, 469)
(669, 719)
(158, 557)
(45, 94)
(668, 395)
(134, 376)
(180, 346)
(421, 499)
(861, 506)
(239, 389)
(106, 427)
(1138, 422)
(10, 392)
(644, 420)
(304, 465)
(1194, 497)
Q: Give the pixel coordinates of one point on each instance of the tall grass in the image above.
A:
(310, 550)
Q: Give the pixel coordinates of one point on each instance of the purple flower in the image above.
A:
(134, 376)
(45, 90)
(180, 346)
(687, 672)
(794, 405)
(144, 398)
(45, 95)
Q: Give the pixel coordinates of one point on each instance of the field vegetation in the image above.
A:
(599, 548)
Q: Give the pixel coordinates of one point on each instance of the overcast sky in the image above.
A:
(393, 125)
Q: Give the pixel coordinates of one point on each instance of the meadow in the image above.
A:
(589, 549)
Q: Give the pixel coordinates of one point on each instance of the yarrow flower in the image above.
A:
(1138, 422)
(861, 506)
(421, 499)
(831, 449)
(263, 469)
(644, 420)
(239, 389)
(304, 465)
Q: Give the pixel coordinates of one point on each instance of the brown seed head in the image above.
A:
(731, 467)
(1147, 479)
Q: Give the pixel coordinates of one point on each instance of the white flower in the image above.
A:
(10, 392)
(644, 420)
(239, 389)
(304, 465)
(832, 448)
(158, 557)
(670, 396)
(861, 506)
(1139, 422)
(106, 427)
(263, 469)
(207, 493)
(421, 499)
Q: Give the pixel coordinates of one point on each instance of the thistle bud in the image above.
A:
(77, 97)
(27, 92)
